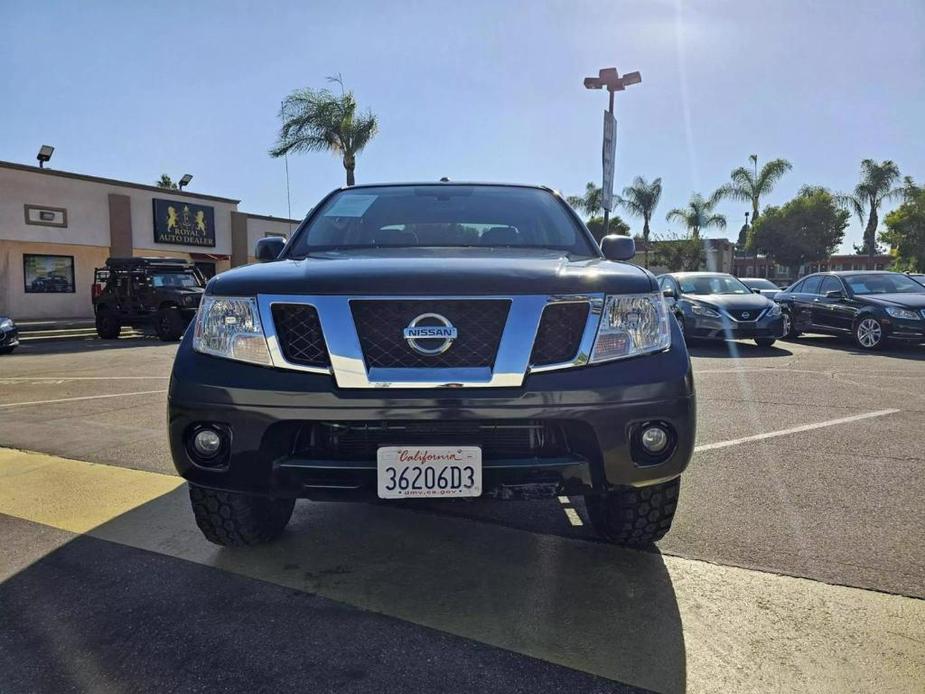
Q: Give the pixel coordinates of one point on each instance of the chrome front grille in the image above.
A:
(363, 342)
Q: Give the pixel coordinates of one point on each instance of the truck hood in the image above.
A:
(434, 271)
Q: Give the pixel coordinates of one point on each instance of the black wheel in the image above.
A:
(868, 333)
(790, 332)
(764, 341)
(169, 324)
(635, 517)
(8, 350)
(236, 520)
(107, 325)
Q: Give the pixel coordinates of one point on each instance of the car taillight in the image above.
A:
(96, 290)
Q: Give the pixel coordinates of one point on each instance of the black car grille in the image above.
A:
(560, 332)
(300, 336)
(751, 314)
(380, 325)
(499, 439)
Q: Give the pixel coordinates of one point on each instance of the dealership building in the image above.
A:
(57, 227)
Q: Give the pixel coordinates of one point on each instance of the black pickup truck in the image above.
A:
(436, 340)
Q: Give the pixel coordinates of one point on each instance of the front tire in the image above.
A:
(790, 332)
(765, 341)
(169, 324)
(237, 520)
(8, 349)
(635, 516)
(868, 333)
(107, 325)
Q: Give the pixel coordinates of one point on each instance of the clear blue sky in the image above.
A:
(470, 90)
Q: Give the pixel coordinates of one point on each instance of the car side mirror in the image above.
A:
(834, 294)
(269, 248)
(618, 247)
(755, 290)
(668, 293)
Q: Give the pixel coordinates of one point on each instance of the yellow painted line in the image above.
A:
(73, 495)
(573, 517)
(663, 623)
(82, 397)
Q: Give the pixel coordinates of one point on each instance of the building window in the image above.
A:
(48, 274)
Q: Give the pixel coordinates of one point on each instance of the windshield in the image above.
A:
(443, 216)
(887, 283)
(712, 285)
(759, 283)
(175, 279)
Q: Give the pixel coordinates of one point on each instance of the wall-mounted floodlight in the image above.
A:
(44, 155)
(185, 180)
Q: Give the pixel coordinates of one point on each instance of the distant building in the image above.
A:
(764, 266)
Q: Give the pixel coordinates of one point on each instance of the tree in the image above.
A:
(905, 230)
(590, 203)
(615, 226)
(806, 229)
(749, 185)
(878, 183)
(678, 253)
(698, 215)
(320, 120)
(640, 200)
(166, 182)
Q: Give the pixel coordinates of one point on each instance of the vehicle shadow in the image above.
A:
(587, 606)
(738, 349)
(86, 344)
(894, 350)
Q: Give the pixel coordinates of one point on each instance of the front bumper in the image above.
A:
(904, 329)
(705, 327)
(9, 338)
(264, 411)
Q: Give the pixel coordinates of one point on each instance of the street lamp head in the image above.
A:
(631, 78)
(44, 154)
(593, 83)
(185, 180)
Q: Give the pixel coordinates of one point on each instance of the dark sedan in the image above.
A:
(717, 306)
(760, 285)
(871, 307)
(9, 335)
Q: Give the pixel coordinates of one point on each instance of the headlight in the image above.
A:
(6, 324)
(631, 325)
(901, 313)
(774, 311)
(230, 327)
(701, 310)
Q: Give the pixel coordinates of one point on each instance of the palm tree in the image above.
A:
(698, 214)
(590, 203)
(640, 200)
(749, 185)
(878, 183)
(166, 182)
(319, 120)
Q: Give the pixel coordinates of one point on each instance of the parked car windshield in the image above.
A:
(887, 283)
(175, 279)
(443, 215)
(712, 285)
(758, 283)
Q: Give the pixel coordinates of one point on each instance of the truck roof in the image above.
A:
(138, 261)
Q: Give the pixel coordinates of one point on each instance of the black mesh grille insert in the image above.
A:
(747, 315)
(559, 335)
(300, 336)
(380, 325)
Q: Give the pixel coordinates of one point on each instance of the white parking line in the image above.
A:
(794, 430)
(83, 397)
(573, 517)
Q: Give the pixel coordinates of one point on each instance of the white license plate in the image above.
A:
(411, 472)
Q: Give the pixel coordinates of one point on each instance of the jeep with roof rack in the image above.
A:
(158, 293)
(437, 341)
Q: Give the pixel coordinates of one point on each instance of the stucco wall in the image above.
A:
(15, 302)
(259, 227)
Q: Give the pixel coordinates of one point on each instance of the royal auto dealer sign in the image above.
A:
(184, 223)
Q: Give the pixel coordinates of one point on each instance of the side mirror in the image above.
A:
(668, 293)
(834, 294)
(756, 291)
(269, 248)
(618, 247)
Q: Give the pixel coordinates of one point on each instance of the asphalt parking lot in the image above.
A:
(808, 466)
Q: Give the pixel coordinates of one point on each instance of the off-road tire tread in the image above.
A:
(635, 517)
(238, 520)
(176, 325)
(102, 331)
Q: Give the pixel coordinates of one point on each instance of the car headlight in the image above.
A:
(630, 325)
(701, 310)
(901, 313)
(6, 324)
(774, 311)
(230, 327)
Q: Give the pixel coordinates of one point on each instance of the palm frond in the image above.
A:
(771, 174)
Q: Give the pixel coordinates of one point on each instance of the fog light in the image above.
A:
(207, 443)
(654, 439)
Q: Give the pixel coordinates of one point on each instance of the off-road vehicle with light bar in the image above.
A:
(440, 341)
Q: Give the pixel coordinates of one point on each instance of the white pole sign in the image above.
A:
(608, 154)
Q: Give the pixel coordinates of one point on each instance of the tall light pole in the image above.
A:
(609, 78)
